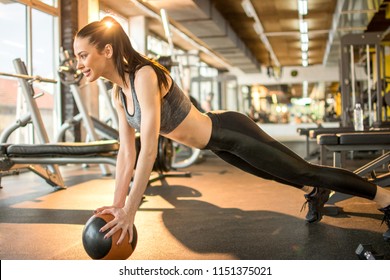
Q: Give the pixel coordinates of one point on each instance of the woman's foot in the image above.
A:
(316, 201)
(386, 220)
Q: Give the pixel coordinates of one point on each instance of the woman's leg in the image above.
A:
(315, 197)
(237, 134)
(234, 133)
(243, 165)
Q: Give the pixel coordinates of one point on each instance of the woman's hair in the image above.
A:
(127, 60)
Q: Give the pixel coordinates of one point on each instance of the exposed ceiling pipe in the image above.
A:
(199, 47)
(258, 27)
(333, 30)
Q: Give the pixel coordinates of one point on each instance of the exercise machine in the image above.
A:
(69, 75)
(44, 158)
(371, 48)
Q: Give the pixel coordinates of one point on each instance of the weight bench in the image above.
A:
(358, 141)
(315, 132)
(40, 158)
(311, 133)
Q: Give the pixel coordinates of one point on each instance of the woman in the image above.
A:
(148, 100)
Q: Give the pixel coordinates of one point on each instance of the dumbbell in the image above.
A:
(366, 252)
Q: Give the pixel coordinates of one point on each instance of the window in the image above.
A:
(33, 38)
(13, 41)
(50, 2)
(13, 44)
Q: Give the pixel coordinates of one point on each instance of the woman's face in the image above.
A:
(90, 61)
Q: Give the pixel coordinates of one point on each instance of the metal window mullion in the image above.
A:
(29, 62)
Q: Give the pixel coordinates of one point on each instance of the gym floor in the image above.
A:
(219, 213)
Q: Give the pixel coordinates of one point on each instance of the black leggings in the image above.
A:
(238, 140)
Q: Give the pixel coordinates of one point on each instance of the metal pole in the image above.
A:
(177, 71)
(370, 120)
(379, 85)
(352, 62)
(87, 121)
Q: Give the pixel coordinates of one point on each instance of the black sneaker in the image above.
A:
(386, 220)
(316, 201)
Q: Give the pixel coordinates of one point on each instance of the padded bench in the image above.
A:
(351, 141)
(356, 141)
(311, 133)
(66, 149)
(32, 156)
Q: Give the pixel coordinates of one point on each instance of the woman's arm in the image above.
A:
(123, 174)
(126, 157)
(148, 95)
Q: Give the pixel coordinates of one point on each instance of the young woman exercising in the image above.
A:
(148, 100)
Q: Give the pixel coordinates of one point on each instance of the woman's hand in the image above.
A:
(121, 222)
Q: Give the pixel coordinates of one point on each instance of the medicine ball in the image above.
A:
(99, 248)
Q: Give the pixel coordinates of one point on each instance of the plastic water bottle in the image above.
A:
(358, 117)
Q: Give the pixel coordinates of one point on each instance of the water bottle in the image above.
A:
(358, 117)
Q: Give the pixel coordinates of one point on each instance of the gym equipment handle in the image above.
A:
(30, 78)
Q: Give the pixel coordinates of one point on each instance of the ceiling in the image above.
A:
(225, 35)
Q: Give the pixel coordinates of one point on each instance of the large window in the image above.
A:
(13, 44)
(34, 39)
(13, 41)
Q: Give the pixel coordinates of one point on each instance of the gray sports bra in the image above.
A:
(175, 106)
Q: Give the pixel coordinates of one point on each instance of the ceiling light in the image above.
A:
(304, 38)
(303, 26)
(302, 7)
(304, 56)
(248, 8)
(305, 63)
(258, 28)
(165, 22)
(305, 47)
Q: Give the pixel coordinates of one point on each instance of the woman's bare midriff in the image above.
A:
(194, 131)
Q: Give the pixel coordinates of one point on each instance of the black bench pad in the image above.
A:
(364, 138)
(355, 138)
(313, 133)
(60, 149)
(328, 139)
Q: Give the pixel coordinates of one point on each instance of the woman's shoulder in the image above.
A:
(145, 70)
(145, 75)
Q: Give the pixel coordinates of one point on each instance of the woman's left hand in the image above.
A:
(121, 222)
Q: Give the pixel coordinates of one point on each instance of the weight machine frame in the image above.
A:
(347, 72)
